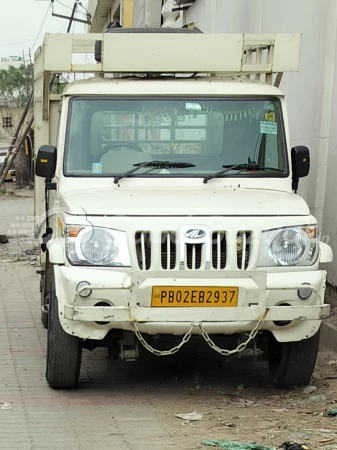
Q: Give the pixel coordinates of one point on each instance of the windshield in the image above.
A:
(107, 137)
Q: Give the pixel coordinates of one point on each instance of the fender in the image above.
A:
(56, 251)
(326, 254)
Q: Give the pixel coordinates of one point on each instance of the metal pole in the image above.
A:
(72, 17)
(13, 155)
(17, 132)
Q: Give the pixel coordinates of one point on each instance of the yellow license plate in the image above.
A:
(172, 296)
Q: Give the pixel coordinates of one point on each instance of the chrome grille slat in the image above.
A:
(194, 256)
(243, 253)
(168, 250)
(143, 250)
(142, 237)
(219, 250)
(218, 242)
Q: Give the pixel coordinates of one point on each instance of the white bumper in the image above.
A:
(130, 300)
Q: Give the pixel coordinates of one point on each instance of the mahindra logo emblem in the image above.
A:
(195, 234)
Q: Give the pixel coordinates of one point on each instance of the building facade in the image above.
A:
(6, 61)
(311, 93)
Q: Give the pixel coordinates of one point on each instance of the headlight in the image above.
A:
(97, 246)
(289, 247)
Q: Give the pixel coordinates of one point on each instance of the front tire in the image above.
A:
(64, 352)
(292, 363)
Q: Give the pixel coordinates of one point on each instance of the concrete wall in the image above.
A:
(102, 13)
(16, 114)
(311, 93)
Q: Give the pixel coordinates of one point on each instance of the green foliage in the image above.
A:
(16, 83)
(59, 85)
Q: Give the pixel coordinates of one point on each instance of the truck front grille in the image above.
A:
(194, 256)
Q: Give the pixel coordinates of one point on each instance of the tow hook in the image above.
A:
(129, 347)
(251, 351)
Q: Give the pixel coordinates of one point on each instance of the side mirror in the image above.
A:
(45, 166)
(300, 159)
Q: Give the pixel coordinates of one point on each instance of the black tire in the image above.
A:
(64, 352)
(292, 363)
(45, 284)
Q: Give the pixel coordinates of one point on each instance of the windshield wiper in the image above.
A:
(154, 165)
(248, 166)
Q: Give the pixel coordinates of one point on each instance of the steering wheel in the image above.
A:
(115, 146)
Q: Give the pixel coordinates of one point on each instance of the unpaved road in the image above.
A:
(131, 406)
(17, 215)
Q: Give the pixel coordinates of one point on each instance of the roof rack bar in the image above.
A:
(252, 56)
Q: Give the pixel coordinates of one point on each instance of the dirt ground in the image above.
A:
(237, 401)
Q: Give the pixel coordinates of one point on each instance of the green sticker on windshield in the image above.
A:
(268, 128)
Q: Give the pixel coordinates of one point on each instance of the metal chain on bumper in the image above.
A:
(240, 347)
(207, 338)
(157, 352)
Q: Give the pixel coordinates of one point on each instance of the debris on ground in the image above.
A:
(309, 390)
(289, 446)
(189, 417)
(4, 239)
(232, 445)
(31, 252)
(6, 406)
(317, 398)
(331, 412)
(299, 436)
(333, 362)
(243, 403)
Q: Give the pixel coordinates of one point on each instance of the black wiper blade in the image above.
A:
(253, 166)
(249, 166)
(154, 165)
(222, 172)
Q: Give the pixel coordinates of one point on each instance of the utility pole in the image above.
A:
(71, 19)
(15, 144)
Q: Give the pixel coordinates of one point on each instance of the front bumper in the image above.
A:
(129, 297)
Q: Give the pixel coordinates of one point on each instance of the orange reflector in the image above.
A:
(74, 231)
(44, 161)
(311, 232)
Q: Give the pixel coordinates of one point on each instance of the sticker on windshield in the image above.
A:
(97, 168)
(268, 128)
(270, 117)
(193, 107)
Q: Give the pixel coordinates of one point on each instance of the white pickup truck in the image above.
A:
(166, 200)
